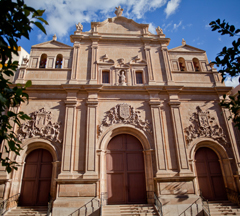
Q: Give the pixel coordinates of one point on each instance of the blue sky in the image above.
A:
(179, 19)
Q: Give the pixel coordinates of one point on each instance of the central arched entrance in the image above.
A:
(125, 170)
(36, 180)
(209, 174)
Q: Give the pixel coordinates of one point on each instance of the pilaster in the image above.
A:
(158, 134)
(94, 47)
(75, 63)
(91, 135)
(69, 135)
(147, 49)
(169, 76)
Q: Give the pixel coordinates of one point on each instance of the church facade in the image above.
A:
(120, 114)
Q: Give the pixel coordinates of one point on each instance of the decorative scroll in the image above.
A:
(203, 125)
(126, 114)
(40, 125)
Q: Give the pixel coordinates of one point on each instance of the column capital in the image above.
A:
(174, 103)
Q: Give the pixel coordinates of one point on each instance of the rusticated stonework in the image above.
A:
(126, 114)
(203, 125)
(40, 125)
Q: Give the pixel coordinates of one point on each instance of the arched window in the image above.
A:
(182, 64)
(196, 64)
(43, 61)
(59, 61)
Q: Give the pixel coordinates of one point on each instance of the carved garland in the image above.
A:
(126, 114)
(203, 125)
(40, 125)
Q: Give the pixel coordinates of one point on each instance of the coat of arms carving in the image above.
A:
(126, 114)
(203, 125)
(40, 125)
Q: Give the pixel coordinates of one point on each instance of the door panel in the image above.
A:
(36, 180)
(209, 175)
(125, 171)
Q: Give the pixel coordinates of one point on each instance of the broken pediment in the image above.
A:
(105, 60)
(186, 48)
(120, 25)
(137, 61)
(52, 44)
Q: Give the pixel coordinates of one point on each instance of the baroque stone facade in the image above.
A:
(118, 97)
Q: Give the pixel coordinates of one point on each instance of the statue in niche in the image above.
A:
(119, 11)
(122, 78)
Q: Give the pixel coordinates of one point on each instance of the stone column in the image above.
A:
(75, 63)
(93, 79)
(91, 136)
(179, 138)
(167, 64)
(232, 137)
(69, 135)
(147, 49)
(158, 137)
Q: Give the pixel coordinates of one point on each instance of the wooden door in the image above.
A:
(36, 180)
(125, 171)
(209, 175)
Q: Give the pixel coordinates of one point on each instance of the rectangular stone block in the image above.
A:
(77, 190)
(176, 188)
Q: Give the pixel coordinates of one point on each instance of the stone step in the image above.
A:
(223, 208)
(28, 211)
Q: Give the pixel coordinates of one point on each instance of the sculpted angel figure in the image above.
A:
(79, 27)
(122, 78)
(119, 11)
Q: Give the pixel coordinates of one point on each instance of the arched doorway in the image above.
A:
(125, 170)
(36, 180)
(209, 175)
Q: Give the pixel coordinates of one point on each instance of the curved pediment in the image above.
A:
(120, 25)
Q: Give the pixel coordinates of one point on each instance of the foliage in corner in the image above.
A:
(229, 62)
(16, 21)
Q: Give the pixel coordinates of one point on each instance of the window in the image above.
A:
(139, 77)
(196, 64)
(59, 61)
(43, 61)
(182, 64)
(105, 77)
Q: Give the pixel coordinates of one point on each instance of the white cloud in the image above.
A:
(172, 6)
(152, 28)
(232, 81)
(175, 26)
(207, 26)
(219, 38)
(63, 15)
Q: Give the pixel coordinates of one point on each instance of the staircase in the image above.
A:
(28, 211)
(129, 210)
(223, 208)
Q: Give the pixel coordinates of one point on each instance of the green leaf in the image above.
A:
(40, 26)
(28, 84)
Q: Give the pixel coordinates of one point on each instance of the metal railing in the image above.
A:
(205, 204)
(9, 203)
(87, 208)
(233, 196)
(49, 210)
(158, 205)
(193, 209)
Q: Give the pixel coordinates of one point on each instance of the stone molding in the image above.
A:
(41, 125)
(126, 114)
(203, 125)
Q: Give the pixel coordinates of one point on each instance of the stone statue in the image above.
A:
(122, 78)
(183, 42)
(119, 11)
(79, 27)
(159, 30)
